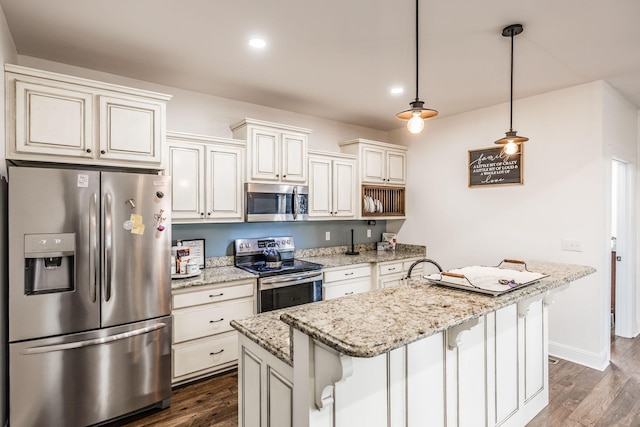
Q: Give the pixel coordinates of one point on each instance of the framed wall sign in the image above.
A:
(196, 250)
(491, 166)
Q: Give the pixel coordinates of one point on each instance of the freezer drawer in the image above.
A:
(85, 378)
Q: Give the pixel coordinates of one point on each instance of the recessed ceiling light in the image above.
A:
(396, 90)
(257, 43)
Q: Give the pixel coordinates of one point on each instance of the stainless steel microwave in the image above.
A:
(276, 202)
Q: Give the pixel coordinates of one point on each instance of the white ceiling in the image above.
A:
(338, 58)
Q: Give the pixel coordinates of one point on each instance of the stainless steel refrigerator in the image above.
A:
(89, 295)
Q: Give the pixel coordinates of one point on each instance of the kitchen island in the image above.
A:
(411, 355)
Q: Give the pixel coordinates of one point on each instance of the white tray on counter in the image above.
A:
(487, 280)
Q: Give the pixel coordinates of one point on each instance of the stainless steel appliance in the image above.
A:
(293, 282)
(89, 295)
(275, 202)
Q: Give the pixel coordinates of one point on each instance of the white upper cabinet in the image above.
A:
(206, 178)
(380, 163)
(63, 119)
(332, 185)
(278, 153)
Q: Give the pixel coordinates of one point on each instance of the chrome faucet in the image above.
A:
(420, 261)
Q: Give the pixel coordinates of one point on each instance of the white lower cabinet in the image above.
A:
(393, 273)
(343, 281)
(488, 371)
(265, 388)
(203, 341)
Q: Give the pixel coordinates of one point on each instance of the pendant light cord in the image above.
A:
(417, 50)
(511, 89)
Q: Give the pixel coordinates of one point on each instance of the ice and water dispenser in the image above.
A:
(49, 261)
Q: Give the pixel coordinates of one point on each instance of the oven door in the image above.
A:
(287, 290)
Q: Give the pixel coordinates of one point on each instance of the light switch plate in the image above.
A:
(327, 235)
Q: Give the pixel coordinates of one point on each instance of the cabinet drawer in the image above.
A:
(191, 298)
(347, 273)
(205, 353)
(391, 281)
(208, 320)
(394, 268)
(350, 288)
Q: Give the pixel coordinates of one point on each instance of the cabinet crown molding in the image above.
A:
(26, 71)
(332, 154)
(193, 137)
(373, 143)
(279, 126)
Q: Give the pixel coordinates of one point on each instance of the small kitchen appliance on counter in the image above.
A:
(283, 281)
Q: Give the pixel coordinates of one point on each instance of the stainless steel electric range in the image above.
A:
(283, 281)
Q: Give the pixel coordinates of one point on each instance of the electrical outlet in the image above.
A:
(327, 235)
(368, 232)
(571, 245)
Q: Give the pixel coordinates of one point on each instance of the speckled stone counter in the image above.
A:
(211, 276)
(372, 323)
(340, 259)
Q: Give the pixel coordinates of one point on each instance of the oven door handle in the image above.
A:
(279, 281)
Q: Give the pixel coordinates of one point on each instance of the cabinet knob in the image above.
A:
(201, 213)
(277, 175)
(103, 152)
(208, 213)
(284, 176)
(88, 150)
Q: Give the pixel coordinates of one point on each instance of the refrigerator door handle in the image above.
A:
(95, 341)
(93, 249)
(108, 246)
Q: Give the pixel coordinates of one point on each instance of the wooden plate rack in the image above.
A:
(391, 198)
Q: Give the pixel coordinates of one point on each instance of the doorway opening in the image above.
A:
(623, 293)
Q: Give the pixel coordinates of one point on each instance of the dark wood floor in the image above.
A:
(578, 397)
(205, 403)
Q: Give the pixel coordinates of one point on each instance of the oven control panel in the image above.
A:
(253, 246)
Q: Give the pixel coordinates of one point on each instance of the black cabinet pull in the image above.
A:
(216, 352)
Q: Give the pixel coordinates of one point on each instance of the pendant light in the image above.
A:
(511, 141)
(417, 113)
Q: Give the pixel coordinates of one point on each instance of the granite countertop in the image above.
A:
(212, 276)
(352, 325)
(365, 257)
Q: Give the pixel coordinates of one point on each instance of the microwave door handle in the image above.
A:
(93, 246)
(108, 245)
(295, 202)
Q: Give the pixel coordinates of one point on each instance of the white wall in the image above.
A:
(198, 113)
(8, 53)
(566, 194)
